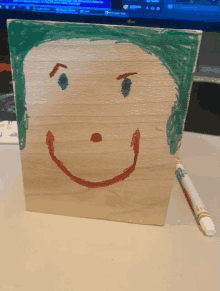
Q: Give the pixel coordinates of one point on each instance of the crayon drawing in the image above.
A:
(100, 112)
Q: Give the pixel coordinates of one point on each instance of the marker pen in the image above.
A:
(201, 215)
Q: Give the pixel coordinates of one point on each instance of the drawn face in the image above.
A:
(96, 107)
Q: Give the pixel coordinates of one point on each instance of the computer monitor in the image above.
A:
(191, 14)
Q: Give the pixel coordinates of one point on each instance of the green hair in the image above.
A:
(176, 49)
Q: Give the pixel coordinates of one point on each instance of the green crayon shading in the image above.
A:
(176, 49)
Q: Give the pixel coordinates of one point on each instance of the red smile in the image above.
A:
(126, 173)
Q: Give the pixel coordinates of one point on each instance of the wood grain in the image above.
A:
(93, 103)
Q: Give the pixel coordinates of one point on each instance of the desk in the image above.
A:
(51, 252)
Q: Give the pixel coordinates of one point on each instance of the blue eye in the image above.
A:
(126, 87)
(63, 81)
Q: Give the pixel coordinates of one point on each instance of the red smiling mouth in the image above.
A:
(126, 173)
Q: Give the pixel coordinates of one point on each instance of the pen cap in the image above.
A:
(208, 226)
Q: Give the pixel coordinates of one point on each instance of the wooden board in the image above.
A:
(124, 182)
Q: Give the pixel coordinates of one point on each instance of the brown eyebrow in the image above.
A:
(56, 67)
(125, 75)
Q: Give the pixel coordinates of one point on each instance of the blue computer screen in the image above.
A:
(190, 10)
(83, 4)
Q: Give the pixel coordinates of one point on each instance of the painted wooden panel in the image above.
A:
(101, 111)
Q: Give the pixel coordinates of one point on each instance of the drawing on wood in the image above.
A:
(100, 112)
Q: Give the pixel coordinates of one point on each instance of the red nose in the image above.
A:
(96, 137)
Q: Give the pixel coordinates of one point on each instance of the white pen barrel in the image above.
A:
(198, 206)
(188, 185)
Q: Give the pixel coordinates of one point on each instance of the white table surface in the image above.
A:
(52, 252)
